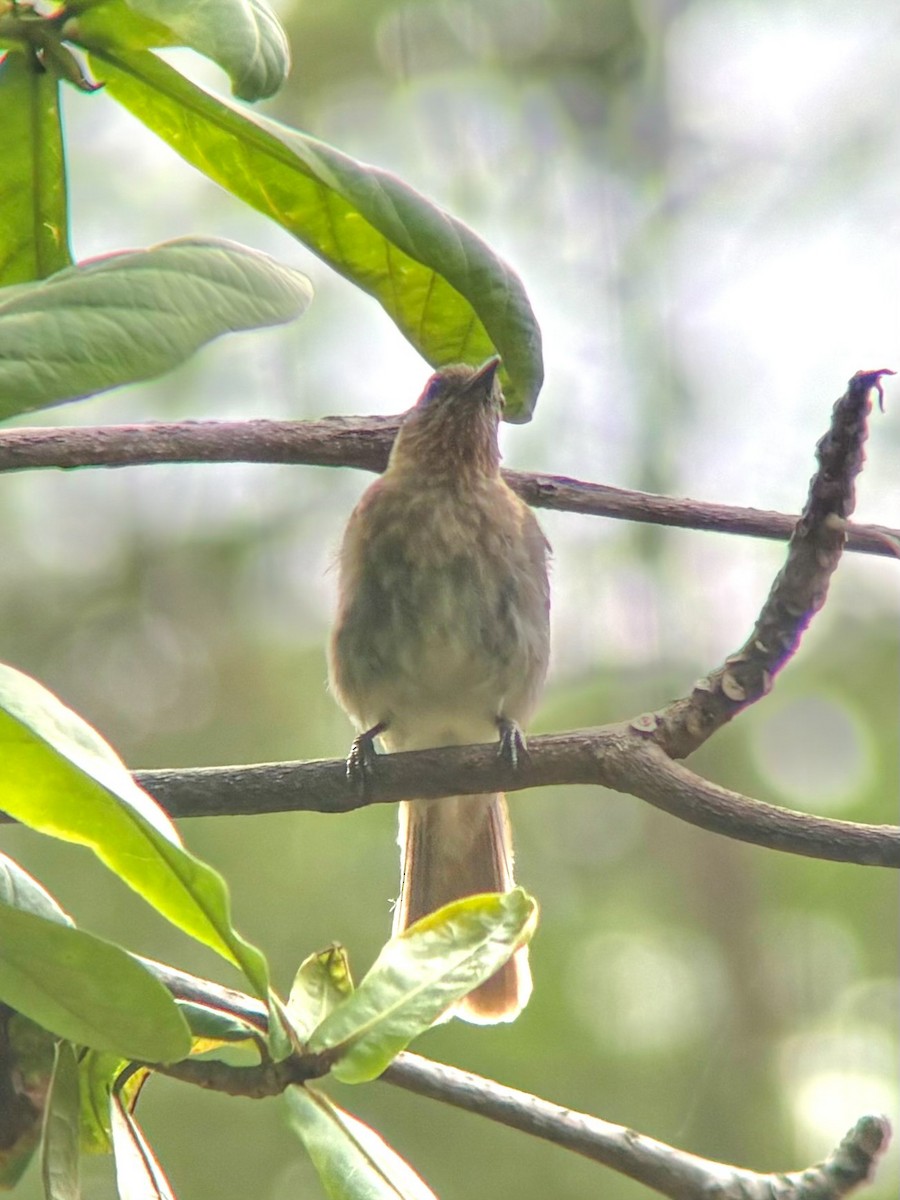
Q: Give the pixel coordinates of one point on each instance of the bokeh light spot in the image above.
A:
(640, 993)
(815, 752)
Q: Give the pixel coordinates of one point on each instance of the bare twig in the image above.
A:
(664, 1168)
(672, 1172)
(364, 442)
(329, 442)
(799, 590)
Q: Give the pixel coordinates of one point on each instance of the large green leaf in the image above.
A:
(445, 289)
(33, 218)
(87, 990)
(353, 1161)
(418, 975)
(242, 36)
(60, 1144)
(133, 315)
(59, 776)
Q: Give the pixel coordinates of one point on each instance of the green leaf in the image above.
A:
(353, 1161)
(444, 288)
(34, 223)
(113, 23)
(57, 775)
(87, 990)
(96, 1079)
(321, 983)
(132, 315)
(138, 1173)
(216, 1026)
(20, 890)
(418, 975)
(60, 1145)
(99, 1075)
(242, 36)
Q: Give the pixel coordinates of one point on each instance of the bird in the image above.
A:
(442, 638)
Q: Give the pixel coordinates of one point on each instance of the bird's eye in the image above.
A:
(432, 389)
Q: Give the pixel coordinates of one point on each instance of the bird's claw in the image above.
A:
(362, 757)
(512, 748)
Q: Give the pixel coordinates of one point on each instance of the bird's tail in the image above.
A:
(451, 848)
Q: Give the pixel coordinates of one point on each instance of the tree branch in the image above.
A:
(364, 442)
(254, 1083)
(633, 757)
(622, 757)
(799, 590)
(673, 1172)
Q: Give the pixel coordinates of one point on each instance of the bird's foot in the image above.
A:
(362, 757)
(512, 748)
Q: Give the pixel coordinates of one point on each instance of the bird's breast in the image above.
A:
(444, 617)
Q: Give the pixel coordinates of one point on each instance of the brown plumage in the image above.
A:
(442, 638)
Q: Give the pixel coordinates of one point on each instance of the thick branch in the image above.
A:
(254, 1083)
(623, 757)
(364, 442)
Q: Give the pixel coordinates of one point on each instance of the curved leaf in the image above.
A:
(322, 981)
(129, 316)
(444, 288)
(34, 223)
(139, 1175)
(87, 990)
(214, 1027)
(99, 1075)
(57, 775)
(353, 1161)
(20, 890)
(60, 1144)
(418, 975)
(242, 36)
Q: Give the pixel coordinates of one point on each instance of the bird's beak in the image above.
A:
(483, 379)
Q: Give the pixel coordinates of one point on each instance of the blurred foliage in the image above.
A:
(690, 191)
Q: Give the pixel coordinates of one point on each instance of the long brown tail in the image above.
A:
(451, 848)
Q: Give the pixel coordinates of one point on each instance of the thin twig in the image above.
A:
(799, 590)
(673, 1172)
(364, 442)
(666, 1169)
